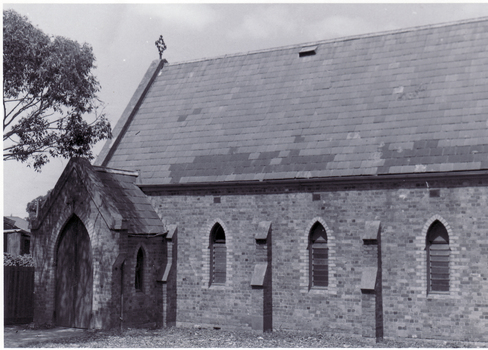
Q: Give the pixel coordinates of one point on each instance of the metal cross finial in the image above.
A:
(161, 46)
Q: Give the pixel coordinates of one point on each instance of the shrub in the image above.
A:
(17, 260)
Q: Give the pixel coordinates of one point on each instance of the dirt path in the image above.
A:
(20, 337)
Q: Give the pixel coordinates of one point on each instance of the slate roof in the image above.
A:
(131, 202)
(408, 101)
(119, 200)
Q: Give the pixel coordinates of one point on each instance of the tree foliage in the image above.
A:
(17, 260)
(50, 101)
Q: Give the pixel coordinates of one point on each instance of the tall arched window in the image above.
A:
(437, 246)
(318, 257)
(218, 255)
(139, 270)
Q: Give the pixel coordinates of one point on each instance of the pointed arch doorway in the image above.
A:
(74, 276)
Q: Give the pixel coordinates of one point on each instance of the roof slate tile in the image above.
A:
(388, 103)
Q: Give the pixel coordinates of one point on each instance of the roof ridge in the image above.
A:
(102, 169)
(344, 38)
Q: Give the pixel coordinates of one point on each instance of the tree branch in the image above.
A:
(9, 148)
(16, 130)
(9, 156)
(5, 115)
(30, 104)
(15, 99)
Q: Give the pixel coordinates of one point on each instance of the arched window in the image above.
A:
(318, 257)
(437, 246)
(139, 270)
(218, 255)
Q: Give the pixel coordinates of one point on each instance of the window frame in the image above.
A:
(139, 271)
(438, 252)
(218, 256)
(315, 243)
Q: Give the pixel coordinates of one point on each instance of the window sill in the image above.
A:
(318, 290)
(218, 286)
(437, 295)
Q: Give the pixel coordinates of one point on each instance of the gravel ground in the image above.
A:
(210, 338)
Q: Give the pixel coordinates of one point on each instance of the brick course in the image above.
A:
(405, 210)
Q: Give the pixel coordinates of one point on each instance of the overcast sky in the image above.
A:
(123, 36)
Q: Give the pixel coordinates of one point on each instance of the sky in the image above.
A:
(123, 36)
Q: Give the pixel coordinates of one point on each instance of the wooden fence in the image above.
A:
(18, 291)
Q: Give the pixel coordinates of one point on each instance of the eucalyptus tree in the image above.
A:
(50, 101)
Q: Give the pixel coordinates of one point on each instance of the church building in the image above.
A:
(335, 186)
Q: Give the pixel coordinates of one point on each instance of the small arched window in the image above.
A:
(218, 255)
(318, 257)
(139, 276)
(437, 246)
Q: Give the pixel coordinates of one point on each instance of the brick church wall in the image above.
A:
(115, 302)
(405, 209)
(72, 200)
(143, 307)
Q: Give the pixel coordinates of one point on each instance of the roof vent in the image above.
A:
(307, 51)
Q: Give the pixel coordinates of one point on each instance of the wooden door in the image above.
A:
(74, 277)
